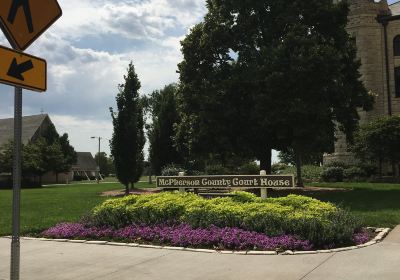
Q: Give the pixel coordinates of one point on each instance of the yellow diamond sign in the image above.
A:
(23, 21)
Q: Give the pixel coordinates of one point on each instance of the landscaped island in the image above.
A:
(241, 222)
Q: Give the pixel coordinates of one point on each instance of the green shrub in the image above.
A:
(310, 173)
(216, 169)
(243, 197)
(279, 168)
(337, 164)
(354, 174)
(333, 174)
(369, 168)
(320, 222)
(250, 168)
(171, 170)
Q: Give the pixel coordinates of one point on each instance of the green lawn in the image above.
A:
(47, 206)
(113, 179)
(376, 204)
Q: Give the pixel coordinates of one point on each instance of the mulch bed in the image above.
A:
(121, 193)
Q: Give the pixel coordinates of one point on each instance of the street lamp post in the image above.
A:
(98, 158)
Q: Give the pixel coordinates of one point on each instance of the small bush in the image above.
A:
(354, 173)
(368, 168)
(250, 168)
(194, 173)
(171, 170)
(333, 174)
(279, 168)
(310, 173)
(337, 164)
(359, 172)
(244, 197)
(216, 169)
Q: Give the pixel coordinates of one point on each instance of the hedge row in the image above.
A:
(321, 223)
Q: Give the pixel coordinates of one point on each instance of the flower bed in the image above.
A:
(323, 224)
(182, 236)
(244, 222)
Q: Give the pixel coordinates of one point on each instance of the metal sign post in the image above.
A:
(15, 243)
(22, 21)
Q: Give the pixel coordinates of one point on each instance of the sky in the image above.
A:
(88, 50)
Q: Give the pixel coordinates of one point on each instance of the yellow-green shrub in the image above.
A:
(320, 222)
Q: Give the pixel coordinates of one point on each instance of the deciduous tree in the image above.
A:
(164, 117)
(269, 74)
(379, 141)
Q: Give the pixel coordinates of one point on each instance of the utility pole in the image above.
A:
(98, 159)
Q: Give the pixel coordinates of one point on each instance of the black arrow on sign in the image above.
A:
(16, 69)
(16, 4)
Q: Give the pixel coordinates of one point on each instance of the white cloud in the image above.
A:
(149, 19)
(82, 81)
(80, 132)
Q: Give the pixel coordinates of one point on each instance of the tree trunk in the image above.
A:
(380, 167)
(265, 161)
(300, 183)
(150, 179)
(395, 169)
(132, 186)
(127, 189)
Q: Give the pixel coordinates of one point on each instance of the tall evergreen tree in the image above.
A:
(128, 137)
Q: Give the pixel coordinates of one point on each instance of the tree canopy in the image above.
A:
(279, 74)
(162, 105)
(38, 158)
(379, 140)
(106, 164)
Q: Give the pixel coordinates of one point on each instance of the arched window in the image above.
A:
(396, 45)
(397, 80)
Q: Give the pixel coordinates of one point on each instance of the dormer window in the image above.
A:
(396, 45)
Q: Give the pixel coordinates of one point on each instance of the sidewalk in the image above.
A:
(46, 260)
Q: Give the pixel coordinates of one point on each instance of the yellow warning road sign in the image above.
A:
(23, 70)
(23, 21)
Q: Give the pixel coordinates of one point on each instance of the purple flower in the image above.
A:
(361, 237)
(183, 235)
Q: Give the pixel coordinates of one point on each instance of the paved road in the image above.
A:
(56, 260)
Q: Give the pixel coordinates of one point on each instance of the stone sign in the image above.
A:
(219, 181)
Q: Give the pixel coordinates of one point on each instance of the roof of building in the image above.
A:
(30, 125)
(85, 162)
(395, 8)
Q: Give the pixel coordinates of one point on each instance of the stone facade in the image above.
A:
(369, 33)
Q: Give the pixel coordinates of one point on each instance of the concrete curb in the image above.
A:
(381, 234)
